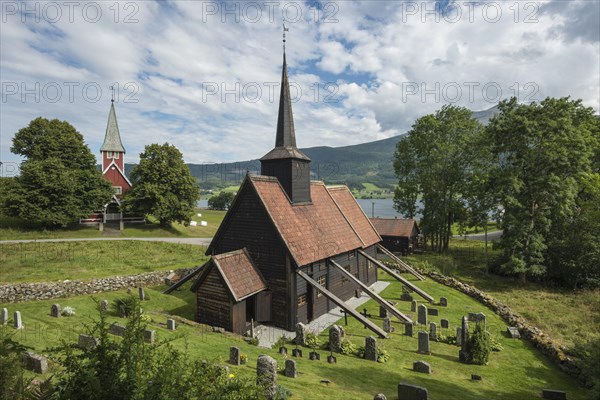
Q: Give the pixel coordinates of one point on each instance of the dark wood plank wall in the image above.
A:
(250, 227)
(213, 303)
(238, 317)
(336, 283)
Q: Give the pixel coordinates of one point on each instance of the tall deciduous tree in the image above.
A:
(162, 186)
(544, 150)
(59, 180)
(432, 164)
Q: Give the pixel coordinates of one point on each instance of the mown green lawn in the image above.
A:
(84, 260)
(565, 315)
(15, 229)
(517, 372)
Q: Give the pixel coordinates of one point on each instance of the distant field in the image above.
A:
(43, 261)
(15, 229)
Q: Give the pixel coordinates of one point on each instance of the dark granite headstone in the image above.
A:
(475, 377)
(142, 293)
(408, 329)
(458, 336)
(552, 394)
(422, 314)
(300, 334)
(290, 369)
(35, 362)
(383, 312)
(387, 325)
(370, 348)
(423, 343)
(443, 302)
(149, 335)
(55, 310)
(335, 338)
(407, 391)
(17, 321)
(433, 331)
(117, 329)
(433, 312)
(234, 355)
(171, 324)
(445, 323)
(87, 342)
(413, 306)
(422, 366)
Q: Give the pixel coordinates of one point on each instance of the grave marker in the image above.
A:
(433, 331)
(87, 342)
(433, 312)
(422, 366)
(55, 311)
(422, 314)
(149, 335)
(35, 362)
(104, 304)
(171, 324)
(443, 302)
(290, 369)
(234, 355)
(445, 323)
(266, 375)
(408, 329)
(300, 334)
(335, 338)
(552, 394)
(513, 332)
(387, 325)
(423, 343)
(407, 391)
(370, 348)
(142, 294)
(17, 322)
(413, 306)
(4, 316)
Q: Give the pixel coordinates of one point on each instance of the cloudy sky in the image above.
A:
(205, 75)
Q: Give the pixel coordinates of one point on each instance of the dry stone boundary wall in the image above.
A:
(13, 293)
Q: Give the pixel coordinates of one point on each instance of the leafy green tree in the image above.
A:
(59, 180)
(543, 149)
(221, 201)
(132, 369)
(162, 186)
(432, 163)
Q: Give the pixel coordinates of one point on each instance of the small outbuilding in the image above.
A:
(230, 291)
(398, 235)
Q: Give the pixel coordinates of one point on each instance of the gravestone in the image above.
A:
(17, 322)
(4, 316)
(475, 377)
(413, 306)
(443, 302)
(234, 355)
(445, 323)
(408, 329)
(383, 312)
(463, 355)
(422, 314)
(87, 342)
(423, 343)
(387, 325)
(142, 294)
(149, 335)
(406, 297)
(104, 304)
(477, 317)
(370, 348)
(433, 331)
(459, 336)
(406, 391)
(117, 329)
(513, 332)
(300, 334)
(552, 394)
(55, 311)
(433, 312)
(335, 339)
(422, 366)
(266, 375)
(380, 396)
(290, 369)
(171, 324)
(35, 362)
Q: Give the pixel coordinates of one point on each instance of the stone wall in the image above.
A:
(535, 335)
(50, 290)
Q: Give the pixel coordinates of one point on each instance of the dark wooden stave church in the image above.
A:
(279, 226)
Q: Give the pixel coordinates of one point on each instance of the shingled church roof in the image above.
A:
(332, 224)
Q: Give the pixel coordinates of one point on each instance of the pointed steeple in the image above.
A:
(112, 138)
(286, 162)
(285, 138)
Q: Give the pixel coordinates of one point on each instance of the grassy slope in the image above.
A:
(517, 372)
(13, 229)
(564, 315)
(35, 262)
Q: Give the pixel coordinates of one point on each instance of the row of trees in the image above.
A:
(60, 183)
(535, 168)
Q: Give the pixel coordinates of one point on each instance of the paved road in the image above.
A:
(187, 240)
(481, 236)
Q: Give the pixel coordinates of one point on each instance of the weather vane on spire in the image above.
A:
(112, 89)
(284, 31)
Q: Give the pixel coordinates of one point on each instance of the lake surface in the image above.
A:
(383, 208)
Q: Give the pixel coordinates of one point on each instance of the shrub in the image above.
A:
(68, 311)
(382, 355)
(479, 345)
(448, 339)
(282, 393)
(124, 306)
(348, 347)
(588, 354)
(312, 340)
(282, 341)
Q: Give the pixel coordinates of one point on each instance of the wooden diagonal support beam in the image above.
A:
(339, 302)
(401, 263)
(398, 277)
(380, 300)
(183, 280)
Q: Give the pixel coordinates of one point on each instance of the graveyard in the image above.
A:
(516, 371)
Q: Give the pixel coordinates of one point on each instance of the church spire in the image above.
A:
(286, 162)
(112, 137)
